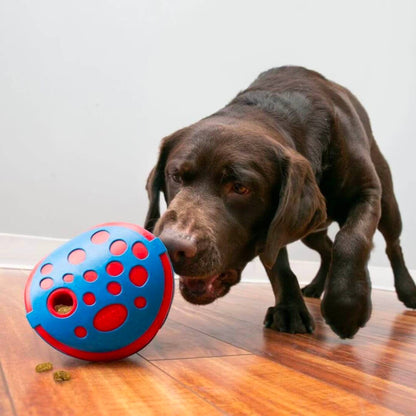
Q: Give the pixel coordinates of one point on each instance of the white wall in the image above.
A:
(88, 88)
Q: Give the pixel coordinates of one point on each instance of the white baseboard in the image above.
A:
(19, 251)
(24, 251)
(381, 277)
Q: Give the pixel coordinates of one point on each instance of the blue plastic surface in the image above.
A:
(98, 256)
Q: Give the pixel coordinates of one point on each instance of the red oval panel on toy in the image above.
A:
(102, 295)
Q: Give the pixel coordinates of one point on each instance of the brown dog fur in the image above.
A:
(279, 163)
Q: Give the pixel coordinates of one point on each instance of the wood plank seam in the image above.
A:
(217, 338)
(262, 354)
(6, 387)
(193, 358)
(185, 386)
(240, 377)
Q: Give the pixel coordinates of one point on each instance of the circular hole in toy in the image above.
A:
(77, 256)
(114, 268)
(89, 298)
(140, 250)
(68, 278)
(90, 276)
(62, 303)
(138, 275)
(80, 332)
(140, 302)
(46, 283)
(46, 269)
(114, 288)
(118, 247)
(100, 237)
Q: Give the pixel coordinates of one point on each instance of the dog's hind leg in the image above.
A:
(390, 226)
(321, 243)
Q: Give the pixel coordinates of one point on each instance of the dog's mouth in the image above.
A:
(204, 290)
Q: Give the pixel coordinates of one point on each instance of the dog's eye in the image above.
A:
(176, 177)
(240, 189)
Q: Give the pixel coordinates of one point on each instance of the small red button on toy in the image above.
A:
(103, 295)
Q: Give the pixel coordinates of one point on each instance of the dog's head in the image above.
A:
(232, 192)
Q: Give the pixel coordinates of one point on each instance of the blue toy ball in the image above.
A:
(103, 295)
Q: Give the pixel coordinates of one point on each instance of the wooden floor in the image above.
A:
(218, 359)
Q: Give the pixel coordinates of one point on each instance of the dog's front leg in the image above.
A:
(289, 314)
(346, 305)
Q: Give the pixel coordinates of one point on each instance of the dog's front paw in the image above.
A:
(292, 318)
(346, 310)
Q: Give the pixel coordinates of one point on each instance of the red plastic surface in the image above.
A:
(110, 317)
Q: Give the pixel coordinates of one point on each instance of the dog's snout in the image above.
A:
(179, 246)
(189, 236)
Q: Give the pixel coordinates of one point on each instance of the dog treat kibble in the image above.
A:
(61, 375)
(62, 309)
(42, 367)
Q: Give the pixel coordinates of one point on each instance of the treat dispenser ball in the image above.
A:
(102, 295)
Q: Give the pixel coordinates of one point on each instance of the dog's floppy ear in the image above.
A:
(155, 183)
(156, 179)
(301, 207)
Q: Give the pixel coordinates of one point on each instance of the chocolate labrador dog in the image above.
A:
(285, 158)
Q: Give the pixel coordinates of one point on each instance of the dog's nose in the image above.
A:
(179, 246)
